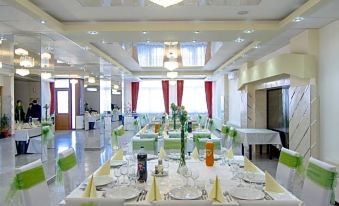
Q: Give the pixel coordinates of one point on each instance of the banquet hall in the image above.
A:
(169, 102)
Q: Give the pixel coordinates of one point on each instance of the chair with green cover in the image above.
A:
(149, 145)
(68, 172)
(173, 144)
(117, 132)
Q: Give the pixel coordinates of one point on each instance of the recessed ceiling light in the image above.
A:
(92, 32)
(2, 38)
(242, 12)
(239, 40)
(298, 19)
(248, 31)
(197, 32)
(257, 46)
(194, 41)
(43, 22)
(144, 32)
(148, 41)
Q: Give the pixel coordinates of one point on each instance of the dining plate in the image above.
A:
(176, 156)
(245, 193)
(101, 180)
(185, 193)
(118, 163)
(124, 192)
(255, 178)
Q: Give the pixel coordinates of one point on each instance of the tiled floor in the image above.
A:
(88, 160)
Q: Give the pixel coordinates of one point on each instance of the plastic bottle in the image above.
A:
(142, 165)
(209, 153)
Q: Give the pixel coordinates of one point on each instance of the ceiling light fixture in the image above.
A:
(144, 32)
(92, 89)
(171, 64)
(91, 80)
(239, 40)
(27, 61)
(22, 72)
(73, 81)
(43, 22)
(197, 32)
(298, 19)
(46, 55)
(166, 3)
(85, 85)
(0, 65)
(257, 46)
(116, 92)
(21, 52)
(194, 41)
(172, 75)
(46, 75)
(116, 86)
(92, 32)
(248, 31)
(148, 41)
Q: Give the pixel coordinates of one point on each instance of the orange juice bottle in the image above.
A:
(157, 127)
(209, 153)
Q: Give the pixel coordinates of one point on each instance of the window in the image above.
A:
(61, 83)
(194, 97)
(150, 99)
(62, 98)
(193, 54)
(151, 54)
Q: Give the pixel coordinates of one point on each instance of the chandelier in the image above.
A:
(171, 64)
(27, 61)
(166, 3)
(46, 75)
(91, 80)
(172, 75)
(22, 72)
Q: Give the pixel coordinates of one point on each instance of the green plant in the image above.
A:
(4, 122)
(174, 115)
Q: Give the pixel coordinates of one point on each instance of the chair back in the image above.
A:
(33, 186)
(173, 144)
(68, 167)
(270, 203)
(149, 144)
(319, 183)
(288, 163)
(93, 202)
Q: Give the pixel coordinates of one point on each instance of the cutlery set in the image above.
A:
(142, 195)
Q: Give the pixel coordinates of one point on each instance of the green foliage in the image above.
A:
(4, 124)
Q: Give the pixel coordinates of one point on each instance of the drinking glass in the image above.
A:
(234, 169)
(187, 174)
(132, 174)
(165, 164)
(124, 172)
(223, 156)
(195, 176)
(117, 174)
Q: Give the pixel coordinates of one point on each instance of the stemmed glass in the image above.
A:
(117, 174)
(234, 169)
(195, 176)
(124, 172)
(187, 173)
(132, 174)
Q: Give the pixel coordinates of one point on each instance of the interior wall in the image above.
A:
(234, 103)
(93, 100)
(260, 109)
(328, 91)
(7, 84)
(116, 99)
(26, 91)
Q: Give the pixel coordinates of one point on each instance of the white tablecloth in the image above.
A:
(259, 136)
(25, 134)
(129, 123)
(206, 177)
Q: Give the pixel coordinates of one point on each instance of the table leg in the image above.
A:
(260, 149)
(242, 150)
(270, 151)
(250, 152)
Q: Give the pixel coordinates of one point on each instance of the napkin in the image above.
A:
(154, 193)
(119, 155)
(90, 190)
(162, 153)
(195, 153)
(229, 154)
(104, 169)
(216, 193)
(249, 166)
(271, 185)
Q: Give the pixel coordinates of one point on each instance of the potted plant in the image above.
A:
(4, 126)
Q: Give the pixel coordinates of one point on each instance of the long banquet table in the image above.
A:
(173, 180)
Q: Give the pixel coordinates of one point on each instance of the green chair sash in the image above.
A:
(46, 134)
(225, 129)
(67, 163)
(174, 134)
(26, 180)
(322, 177)
(148, 144)
(291, 161)
(232, 133)
(173, 143)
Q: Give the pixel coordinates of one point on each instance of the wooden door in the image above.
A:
(62, 114)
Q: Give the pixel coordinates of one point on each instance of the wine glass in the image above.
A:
(124, 172)
(117, 174)
(223, 156)
(195, 176)
(187, 174)
(234, 169)
(132, 174)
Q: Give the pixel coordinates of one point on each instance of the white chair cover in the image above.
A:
(95, 201)
(271, 203)
(286, 175)
(71, 177)
(313, 194)
(37, 195)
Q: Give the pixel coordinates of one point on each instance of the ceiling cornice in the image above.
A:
(180, 73)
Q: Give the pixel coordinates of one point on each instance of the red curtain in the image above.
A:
(52, 104)
(209, 96)
(135, 93)
(180, 91)
(165, 92)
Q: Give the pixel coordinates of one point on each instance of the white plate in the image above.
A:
(245, 193)
(164, 174)
(118, 163)
(101, 180)
(176, 156)
(151, 157)
(124, 192)
(255, 178)
(185, 193)
(216, 157)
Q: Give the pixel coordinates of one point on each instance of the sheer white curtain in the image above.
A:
(150, 98)
(194, 97)
(193, 54)
(150, 54)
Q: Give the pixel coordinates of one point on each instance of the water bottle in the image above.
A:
(142, 165)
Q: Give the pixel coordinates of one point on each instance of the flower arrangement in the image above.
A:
(183, 116)
(174, 115)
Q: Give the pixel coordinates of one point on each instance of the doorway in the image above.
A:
(62, 117)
